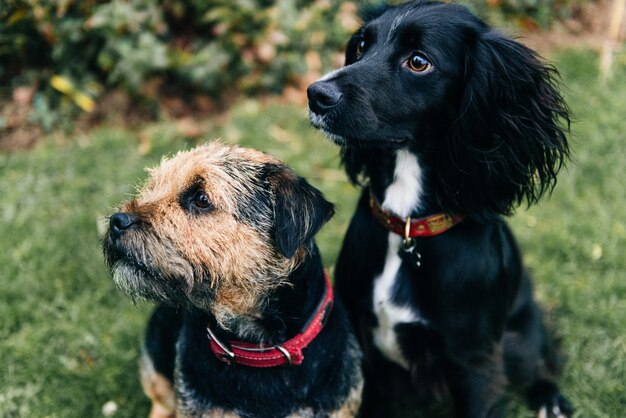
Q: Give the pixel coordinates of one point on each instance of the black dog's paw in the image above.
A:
(557, 407)
(545, 398)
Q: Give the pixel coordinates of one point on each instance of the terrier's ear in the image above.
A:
(300, 210)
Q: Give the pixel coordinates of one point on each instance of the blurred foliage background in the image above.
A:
(73, 52)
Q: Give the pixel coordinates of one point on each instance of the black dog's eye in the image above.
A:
(417, 62)
(201, 201)
(360, 48)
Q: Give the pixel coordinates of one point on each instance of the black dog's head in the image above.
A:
(481, 111)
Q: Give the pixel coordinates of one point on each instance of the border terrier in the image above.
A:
(222, 238)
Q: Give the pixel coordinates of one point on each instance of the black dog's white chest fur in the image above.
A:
(402, 197)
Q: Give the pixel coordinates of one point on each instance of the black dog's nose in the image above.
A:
(323, 96)
(121, 221)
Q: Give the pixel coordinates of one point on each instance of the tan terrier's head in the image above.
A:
(218, 227)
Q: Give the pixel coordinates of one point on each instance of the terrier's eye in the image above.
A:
(360, 48)
(201, 201)
(418, 63)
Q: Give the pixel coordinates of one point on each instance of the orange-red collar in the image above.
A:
(287, 353)
(412, 228)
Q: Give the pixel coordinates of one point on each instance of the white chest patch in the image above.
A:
(402, 196)
(404, 193)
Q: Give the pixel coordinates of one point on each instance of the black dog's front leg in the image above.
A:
(423, 347)
(473, 378)
(387, 391)
(477, 386)
(474, 360)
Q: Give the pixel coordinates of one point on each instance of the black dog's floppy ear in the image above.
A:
(509, 139)
(300, 210)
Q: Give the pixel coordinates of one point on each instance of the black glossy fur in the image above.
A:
(487, 126)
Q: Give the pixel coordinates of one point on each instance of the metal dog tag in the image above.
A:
(409, 248)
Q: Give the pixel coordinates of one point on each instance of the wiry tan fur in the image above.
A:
(351, 407)
(243, 264)
(159, 389)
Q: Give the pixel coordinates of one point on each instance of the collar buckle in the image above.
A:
(229, 356)
(285, 353)
(408, 244)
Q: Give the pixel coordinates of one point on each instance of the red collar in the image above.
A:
(413, 228)
(289, 352)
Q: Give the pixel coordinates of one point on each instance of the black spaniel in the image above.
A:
(449, 125)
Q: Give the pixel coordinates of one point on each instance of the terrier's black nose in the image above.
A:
(323, 96)
(121, 221)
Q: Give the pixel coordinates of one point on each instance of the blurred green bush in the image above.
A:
(527, 14)
(71, 51)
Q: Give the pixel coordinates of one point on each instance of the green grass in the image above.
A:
(69, 339)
